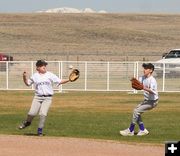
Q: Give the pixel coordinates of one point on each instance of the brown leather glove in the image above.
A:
(136, 84)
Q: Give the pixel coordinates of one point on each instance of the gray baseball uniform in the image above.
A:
(43, 84)
(150, 99)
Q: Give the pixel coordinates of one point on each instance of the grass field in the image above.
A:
(98, 115)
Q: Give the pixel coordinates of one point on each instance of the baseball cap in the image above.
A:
(148, 66)
(40, 63)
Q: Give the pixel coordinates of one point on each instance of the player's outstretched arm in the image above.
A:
(64, 81)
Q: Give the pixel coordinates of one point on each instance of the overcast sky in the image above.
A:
(114, 6)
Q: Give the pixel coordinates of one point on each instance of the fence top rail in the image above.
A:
(92, 62)
(79, 61)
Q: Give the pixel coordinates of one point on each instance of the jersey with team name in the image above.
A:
(43, 83)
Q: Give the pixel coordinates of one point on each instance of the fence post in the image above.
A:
(7, 75)
(163, 87)
(32, 64)
(136, 72)
(61, 74)
(107, 76)
(85, 76)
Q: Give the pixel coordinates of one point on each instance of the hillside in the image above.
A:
(108, 37)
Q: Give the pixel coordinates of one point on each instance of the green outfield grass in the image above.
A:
(98, 115)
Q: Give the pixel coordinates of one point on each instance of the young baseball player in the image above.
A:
(150, 101)
(43, 81)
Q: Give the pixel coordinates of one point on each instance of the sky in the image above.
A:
(112, 6)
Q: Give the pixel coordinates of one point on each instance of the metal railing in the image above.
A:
(94, 76)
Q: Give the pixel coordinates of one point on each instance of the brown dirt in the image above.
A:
(11, 145)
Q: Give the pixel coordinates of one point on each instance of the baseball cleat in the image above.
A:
(141, 133)
(40, 134)
(24, 124)
(126, 132)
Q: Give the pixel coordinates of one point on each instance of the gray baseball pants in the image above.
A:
(40, 105)
(141, 108)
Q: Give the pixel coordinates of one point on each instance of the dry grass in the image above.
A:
(89, 101)
(88, 36)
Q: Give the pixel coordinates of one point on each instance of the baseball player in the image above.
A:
(150, 101)
(43, 81)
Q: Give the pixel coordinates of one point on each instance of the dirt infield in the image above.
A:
(46, 146)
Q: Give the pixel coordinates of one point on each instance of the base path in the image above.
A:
(12, 145)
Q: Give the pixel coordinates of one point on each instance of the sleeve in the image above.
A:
(153, 86)
(30, 81)
(55, 79)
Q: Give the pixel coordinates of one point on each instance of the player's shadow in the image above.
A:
(33, 134)
(30, 134)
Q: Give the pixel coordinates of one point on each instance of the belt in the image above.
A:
(44, 95)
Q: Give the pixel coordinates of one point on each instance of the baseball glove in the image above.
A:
(136, 84)
(74, 75)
